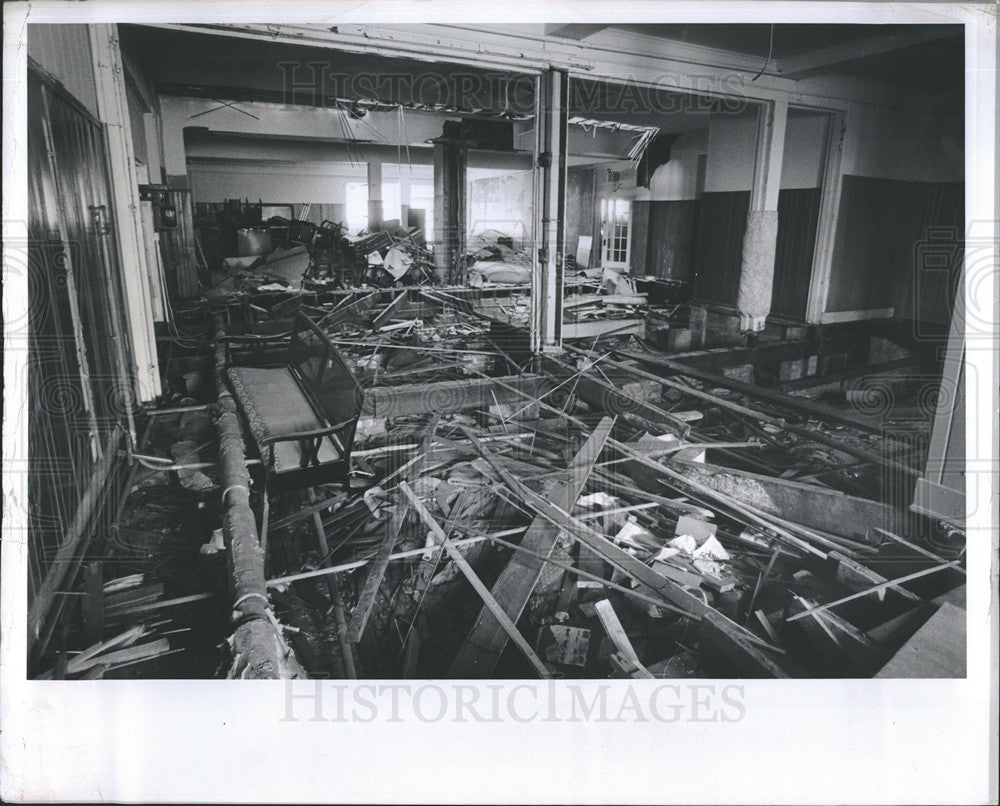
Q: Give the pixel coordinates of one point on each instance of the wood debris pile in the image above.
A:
(606, 512)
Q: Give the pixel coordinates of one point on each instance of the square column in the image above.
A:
(550, 211)
(753, 300)
(449, 210)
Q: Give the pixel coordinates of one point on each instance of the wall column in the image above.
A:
(753, 300)
(449, 209)
(550, 211)
(112, 103)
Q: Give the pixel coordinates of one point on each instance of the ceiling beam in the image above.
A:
(825, 59)
(573, 30)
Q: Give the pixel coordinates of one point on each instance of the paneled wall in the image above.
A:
(63, 52)
(669, 252)
(798, 216)
(881, 226)
(722, 221)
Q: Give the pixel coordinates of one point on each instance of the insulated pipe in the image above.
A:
(255, 641)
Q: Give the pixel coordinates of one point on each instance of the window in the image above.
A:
(422, 198)
(616, 231)
(391, 201)
(356, 214)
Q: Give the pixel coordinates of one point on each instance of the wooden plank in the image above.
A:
(810, 505)
(838, 317)
(137, 652)
(856, 576)
(733, 652)
(616, 632)
(389, 310)
(649, 580)
(450, 396)
(93, 602)
(376, 573)
(595, 328)
(487, 640)
(475, 581)
(877, 589)
(936, 650)
(811, 408)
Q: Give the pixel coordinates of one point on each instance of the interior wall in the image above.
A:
(902, 186)
(806, 135)
(581, 209)
(721, 224)
(670, 210)
(500, 202)
(63, 51)
(273, 183)
(905, 146)
(678, 179)
(803, 163)
(877, 257)
(798, 220)
(732, 151)
(721, 220)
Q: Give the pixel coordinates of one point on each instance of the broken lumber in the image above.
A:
(474, 580)
(811, 408)
(333, 587)
(602, 546)
(376, 573)
(486, 640)
(450, 396)
(877, 589)
(810, 505)
(731, 650)
(607, 397)
(758, 416)
(616, 632)
(758, 519)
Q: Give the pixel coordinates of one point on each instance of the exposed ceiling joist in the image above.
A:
(823, 59)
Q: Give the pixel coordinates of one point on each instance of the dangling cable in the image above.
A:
(770, 50)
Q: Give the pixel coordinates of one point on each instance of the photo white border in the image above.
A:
(804, 741)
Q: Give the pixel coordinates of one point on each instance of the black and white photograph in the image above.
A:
(578, 382)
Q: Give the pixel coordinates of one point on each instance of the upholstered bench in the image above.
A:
(300, 410)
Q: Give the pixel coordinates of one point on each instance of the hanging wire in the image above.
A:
(770, 50)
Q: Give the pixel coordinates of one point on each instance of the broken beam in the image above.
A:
(607, 550)
(475, 581)
(810, 505)
(486, 640)
(451, 396)
(810, 408)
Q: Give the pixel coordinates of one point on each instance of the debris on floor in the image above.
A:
(503, 516)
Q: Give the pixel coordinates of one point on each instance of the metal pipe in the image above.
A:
(255, 642)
